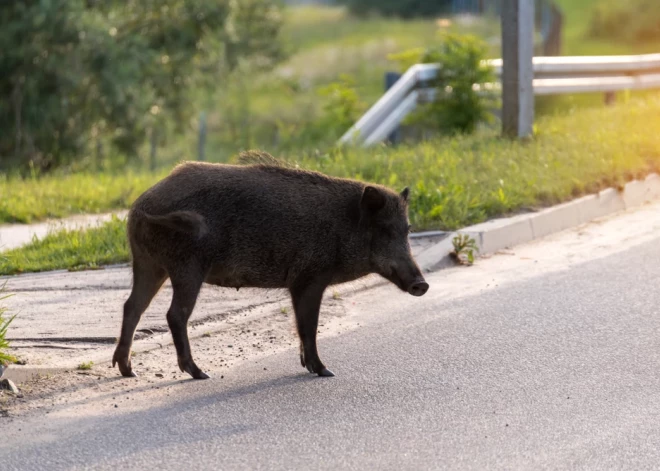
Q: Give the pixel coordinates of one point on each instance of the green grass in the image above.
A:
(249, 111)
(455, 182)
(269, 111)
(57, 195)
(274, 110)
(86, 365)
(70, 249)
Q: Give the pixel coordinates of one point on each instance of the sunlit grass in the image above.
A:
(56, 195)
(454, 182)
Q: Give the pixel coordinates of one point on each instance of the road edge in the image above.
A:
(503, 233)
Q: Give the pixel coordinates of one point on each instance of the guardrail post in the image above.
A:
(610, 98)
(517, 67)
(390, 80)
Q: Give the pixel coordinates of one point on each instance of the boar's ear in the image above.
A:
(405, 193)
(372, 199)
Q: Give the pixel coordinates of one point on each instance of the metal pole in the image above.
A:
(390, 80)
(517, 69)
(202, 137)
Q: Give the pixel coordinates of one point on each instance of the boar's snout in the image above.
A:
(418, 288)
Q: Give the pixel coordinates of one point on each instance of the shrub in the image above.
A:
(340, 107)
(343, 106)
(463, 100)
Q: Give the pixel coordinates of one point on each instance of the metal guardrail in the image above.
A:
(552, 76)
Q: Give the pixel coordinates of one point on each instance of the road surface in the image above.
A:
(545, 357)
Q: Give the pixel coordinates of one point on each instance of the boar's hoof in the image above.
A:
(188, 366)
(322, 371)
(124, 367)
(315, 366)
(325, 372)
(127, 371)
(201, 375)
(196, 373)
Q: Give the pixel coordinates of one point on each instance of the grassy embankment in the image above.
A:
(580, 145)
(455, 182)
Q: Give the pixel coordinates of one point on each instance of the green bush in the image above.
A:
(87, 76)
(402, 8)
(340, 106)
(463, 100)
(634, 21)
(343, 105)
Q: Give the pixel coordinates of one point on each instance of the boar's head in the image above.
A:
(384, 216)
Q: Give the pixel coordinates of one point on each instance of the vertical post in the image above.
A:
(152, 150)
(98, 160)
(610, 98)
(202, 137)
(518, 70)
(390, 79)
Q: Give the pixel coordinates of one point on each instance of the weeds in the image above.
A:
(85, 366)
(465, 249)
(4, 326)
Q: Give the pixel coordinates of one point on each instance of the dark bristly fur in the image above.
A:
(261, 225)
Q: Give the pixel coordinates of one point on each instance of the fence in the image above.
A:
(552, 76)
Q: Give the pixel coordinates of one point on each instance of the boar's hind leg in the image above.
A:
(185, 287)
(306, 303)
(147, 280)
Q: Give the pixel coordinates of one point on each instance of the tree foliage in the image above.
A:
(402, 8)
(74, 73)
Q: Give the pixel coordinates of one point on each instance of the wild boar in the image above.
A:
(262, 225)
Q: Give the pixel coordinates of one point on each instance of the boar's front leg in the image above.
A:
(306, 299)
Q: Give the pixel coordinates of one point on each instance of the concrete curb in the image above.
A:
(502, 233)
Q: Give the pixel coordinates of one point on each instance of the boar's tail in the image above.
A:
(188, 222)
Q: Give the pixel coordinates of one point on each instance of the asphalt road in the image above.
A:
(557, 371)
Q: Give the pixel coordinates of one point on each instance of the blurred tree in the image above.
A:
(402, 8)
(73, 72)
